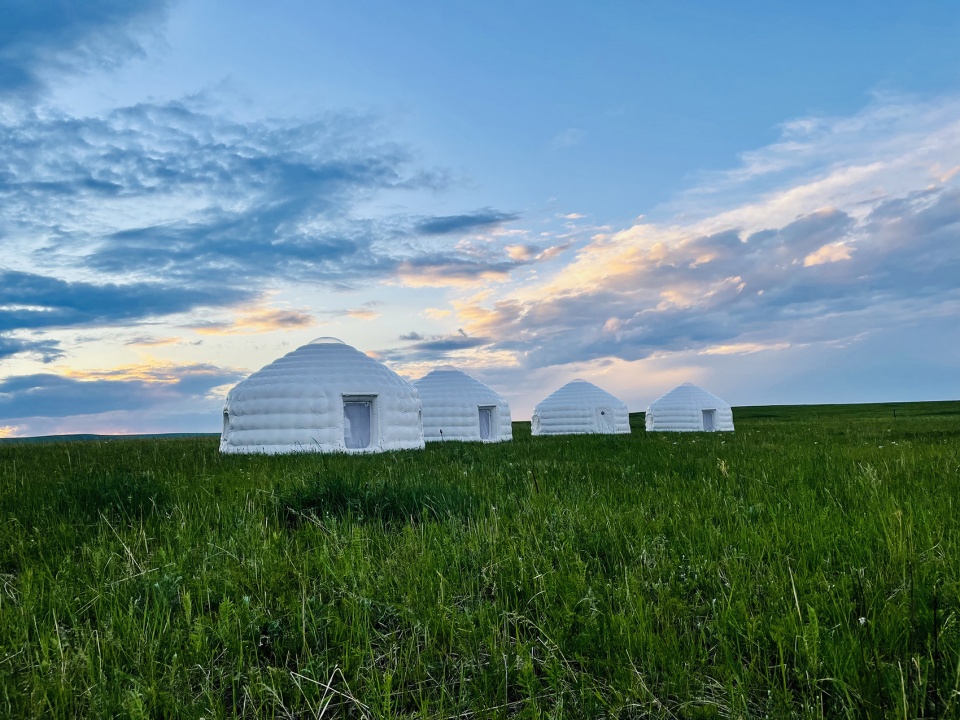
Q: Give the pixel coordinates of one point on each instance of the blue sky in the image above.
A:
(760, 198)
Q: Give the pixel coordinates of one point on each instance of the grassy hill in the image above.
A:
(806, 565)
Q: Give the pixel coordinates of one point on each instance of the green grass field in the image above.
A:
(805, 566)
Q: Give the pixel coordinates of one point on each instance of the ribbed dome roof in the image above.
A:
(298, 403)
(688, 408)
(448, 380)
(689, 395)
(580, 391)
(580, 407)
(452, 402)
(328, 362)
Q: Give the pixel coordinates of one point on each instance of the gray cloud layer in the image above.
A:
(29, 301)
(482, 219)
(45, 350)
(431, 347)
(42, 37)
(53, 396)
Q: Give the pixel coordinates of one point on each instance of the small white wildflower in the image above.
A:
(863, 621)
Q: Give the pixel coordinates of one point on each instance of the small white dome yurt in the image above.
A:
(323, 397)
(580, 407)
(459, 407)
(689, 408)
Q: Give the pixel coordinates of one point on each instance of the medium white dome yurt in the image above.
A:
(689, 408)
(580, 407)
(459, 407)
(323, 397)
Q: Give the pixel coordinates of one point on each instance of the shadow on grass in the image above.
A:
(374, 501)
(82, 499)
(59, 515)
(128, 496)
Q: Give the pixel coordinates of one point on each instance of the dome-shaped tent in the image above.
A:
(689, 408)
(580, 407)
(323, 397)
(459, 407)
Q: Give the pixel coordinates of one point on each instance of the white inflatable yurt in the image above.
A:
(580, 407)
(323, 397)
(689, 408)
(459, 407)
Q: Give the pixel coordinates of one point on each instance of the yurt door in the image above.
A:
(486, 423)
(357, 422)
(709, 424)
(605, 420)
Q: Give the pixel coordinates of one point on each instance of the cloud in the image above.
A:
(437, 313)
(447, 344)
(892, 147)
(155, 342)
(834, 252)
(257, 320)
(45, 350)
(831, 250)
(534, 253)
(361, 314)
(170, 195)
(40, 39)
(452, 271)
(364, 312)
(427, 344)
(421, 347)
(471, 263)
(31, 301)
(522, 252)
(129, 388)
(481, 219)
(743, 348)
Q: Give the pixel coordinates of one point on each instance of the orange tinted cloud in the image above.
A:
(479, 320)
(154, 342)
(258, 321)
(835, 252)
(361, 313)
(163, 372)
(521, 252)
(451, 275)
(744, 348)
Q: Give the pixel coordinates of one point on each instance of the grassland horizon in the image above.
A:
(863, 410)
(806, 565)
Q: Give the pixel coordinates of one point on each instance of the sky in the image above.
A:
(760, 198)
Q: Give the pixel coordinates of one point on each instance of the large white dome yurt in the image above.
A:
(580, 407)
(459, 407)
(323, 397)
(689, 408)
